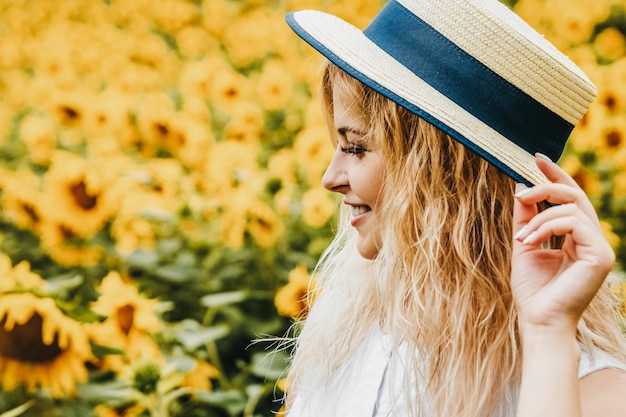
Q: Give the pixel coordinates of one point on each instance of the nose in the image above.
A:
(336, 178)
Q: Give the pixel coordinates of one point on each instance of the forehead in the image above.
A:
(346, 108)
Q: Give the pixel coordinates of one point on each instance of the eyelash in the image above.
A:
(357, 150)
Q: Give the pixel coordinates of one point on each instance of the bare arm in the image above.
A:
(552, 288)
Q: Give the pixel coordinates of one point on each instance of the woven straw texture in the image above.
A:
(522, 56)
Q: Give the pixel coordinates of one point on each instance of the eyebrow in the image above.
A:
(343, 131)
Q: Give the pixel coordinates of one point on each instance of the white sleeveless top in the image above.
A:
(371, 384)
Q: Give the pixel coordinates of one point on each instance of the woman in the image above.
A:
(466, 278)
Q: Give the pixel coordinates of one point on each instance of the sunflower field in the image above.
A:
(160, 200)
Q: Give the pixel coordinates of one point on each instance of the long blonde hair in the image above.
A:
(441, 280)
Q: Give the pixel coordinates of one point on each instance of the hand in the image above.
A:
(552, 287)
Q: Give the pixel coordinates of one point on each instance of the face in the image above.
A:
(356, 171)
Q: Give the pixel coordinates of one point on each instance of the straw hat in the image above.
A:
(472, 68)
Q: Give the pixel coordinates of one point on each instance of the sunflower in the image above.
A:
(40, 347)
(130, 320)
(264, 225)
(274, 86)
(194, 141)
(111, 116)
(199, 377)
(230, 164)
(135, 410)
(315, 153)
(318, 207)
(21, 199)
(233, 227)
(154, 119)
(610, 44)
(568, 25)
(18, 277)
(65, 247)
(583, 176)
(38, 133)
(295, 298)
(196, 76)
(246, 39)
(78, 195)
(132, 232)
(69, 107)
(228, 88)
(196, 42)
(282, 165)
(171, 16)
(246, 122)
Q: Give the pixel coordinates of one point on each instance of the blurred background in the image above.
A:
(160, 200)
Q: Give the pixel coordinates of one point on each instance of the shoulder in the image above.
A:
(603, 393)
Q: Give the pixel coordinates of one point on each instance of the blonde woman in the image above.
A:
(467, 277)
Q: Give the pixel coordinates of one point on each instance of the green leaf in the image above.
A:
(176, 274)
(143, 259)
(78, 312)
(169, 247)
(232, 401)
(102, 350)
(223, 298)
(182, 363)
(18, 410)
(192, 335)
(62, 284)
(270, 365)
(113, 393)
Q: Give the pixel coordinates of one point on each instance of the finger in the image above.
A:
(552, 192)
(571, 211)
(554, 172)
(582, 234)
(560, 194)
(523, 213)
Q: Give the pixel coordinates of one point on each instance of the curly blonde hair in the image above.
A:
(441, 280)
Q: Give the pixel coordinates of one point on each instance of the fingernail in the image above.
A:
(523, 192)
(531, 237)
(520, 232)
(544, 157)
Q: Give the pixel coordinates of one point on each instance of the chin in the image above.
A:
(368, 251)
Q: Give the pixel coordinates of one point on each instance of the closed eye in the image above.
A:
(352, 138)
(354, 149)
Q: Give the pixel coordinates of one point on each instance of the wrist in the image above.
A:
(550, 342)
(550, 361)
(548, 327)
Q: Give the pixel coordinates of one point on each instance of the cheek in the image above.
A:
(374, 185)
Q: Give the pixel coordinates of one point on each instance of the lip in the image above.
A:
(358, 218)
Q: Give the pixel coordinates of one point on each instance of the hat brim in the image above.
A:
(348, 48)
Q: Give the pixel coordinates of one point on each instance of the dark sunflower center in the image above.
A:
(85, 200)
(69, 114)
(24, 342)
(125, 318)
(263, 224)
(614, 139)
(31, 212)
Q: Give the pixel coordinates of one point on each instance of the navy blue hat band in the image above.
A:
(468, 82)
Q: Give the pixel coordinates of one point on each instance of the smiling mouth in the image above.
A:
(358, 210)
